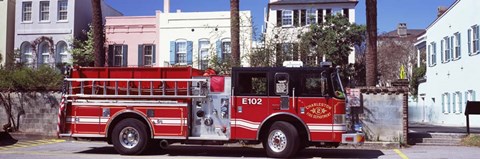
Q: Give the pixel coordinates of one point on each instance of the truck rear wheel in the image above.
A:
(282, 140)
(130, 137)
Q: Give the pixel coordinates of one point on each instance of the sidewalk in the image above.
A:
(429, 128)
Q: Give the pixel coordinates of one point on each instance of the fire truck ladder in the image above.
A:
(135, 88)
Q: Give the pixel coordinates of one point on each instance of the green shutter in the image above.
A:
(460, 103)
(140, 55)
(125, 55)
(110, 55)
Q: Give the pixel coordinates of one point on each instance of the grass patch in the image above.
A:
(471, 140)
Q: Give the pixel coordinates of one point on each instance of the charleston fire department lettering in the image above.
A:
(319, 110)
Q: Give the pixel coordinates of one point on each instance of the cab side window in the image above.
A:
(252, 84)
(311, 85)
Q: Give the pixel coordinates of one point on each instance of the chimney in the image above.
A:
(441, 10)
(166, 6)
(402, 29)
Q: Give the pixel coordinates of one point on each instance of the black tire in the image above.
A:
(282, 140)
(130, 145)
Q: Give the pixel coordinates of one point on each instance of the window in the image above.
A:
(446, 53)
(44, 11)
(434, 53)
(469, 96)
(226, 50)
(204, 47)
(457, 102)
(181, 52)
(287, 18)
(446, 103)
(26, 51)
(287, 50)
(117, 55)
(311, 16)
(147, 55)
(45, 53)
(432, 50)
(346, 13)
(62, 52)
(27, 11)
(311, 85)
(475, 40)
(252, 84)
(458, 52)
(62, 10)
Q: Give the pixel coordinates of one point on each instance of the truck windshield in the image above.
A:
(337, 86)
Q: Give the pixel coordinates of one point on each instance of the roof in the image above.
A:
(410, 33)
(290, 2)
(444, 13)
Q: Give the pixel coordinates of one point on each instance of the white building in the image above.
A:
(286, 18)
(191, 38)
(453, 59)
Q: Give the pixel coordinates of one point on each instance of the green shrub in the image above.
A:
(27, 79)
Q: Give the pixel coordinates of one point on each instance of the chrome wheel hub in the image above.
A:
(129, 137)
(277, 141)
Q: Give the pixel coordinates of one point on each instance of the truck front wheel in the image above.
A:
(130, 137)
(282, 140)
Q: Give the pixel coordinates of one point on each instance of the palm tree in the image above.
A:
(371, 6)
(235, 31)
(98, 35)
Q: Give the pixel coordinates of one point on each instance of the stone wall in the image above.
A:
(33, 112)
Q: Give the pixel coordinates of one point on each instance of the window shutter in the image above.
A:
(430, 60)
(469, 38)
(110, 55)
(295, 18)
(189, 52)
(459, 45)
(154, 56)
(295, 51)
(303, 17)
(473, 96)
(140, 55)
(125, 55)
(477, 39)
(279, 18)
(443, 103)
(346, 13)
(329, 11)
(442, 51)
(39, 57)
(452, 50)
(57, 55)
(279, 55)
(460, 102)
(219, 50)
(448, 102)
(320, 16)
(172, 52)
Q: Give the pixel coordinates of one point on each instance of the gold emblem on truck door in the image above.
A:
(319, 110)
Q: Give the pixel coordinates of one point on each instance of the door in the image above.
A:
(250, 104)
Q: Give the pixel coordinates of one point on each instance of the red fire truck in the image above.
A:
(136, 109)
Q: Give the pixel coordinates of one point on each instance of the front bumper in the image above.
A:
(353, 138)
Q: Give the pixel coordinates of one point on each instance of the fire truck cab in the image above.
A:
(137, 109)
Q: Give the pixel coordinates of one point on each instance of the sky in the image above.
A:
(418, 14)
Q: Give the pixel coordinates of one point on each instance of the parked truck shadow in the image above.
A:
(225, 151)
(6, 139)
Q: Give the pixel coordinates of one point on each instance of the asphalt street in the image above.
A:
(59, 149)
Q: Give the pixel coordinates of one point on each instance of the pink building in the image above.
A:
(131, 40)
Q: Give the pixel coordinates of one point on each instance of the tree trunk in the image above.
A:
(371, 6)
(98, 34)
(235, 31)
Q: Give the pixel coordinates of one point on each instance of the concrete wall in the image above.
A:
(194, 26)
(382, 120)
(37, 112)
(7, 28)
(455, 76)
